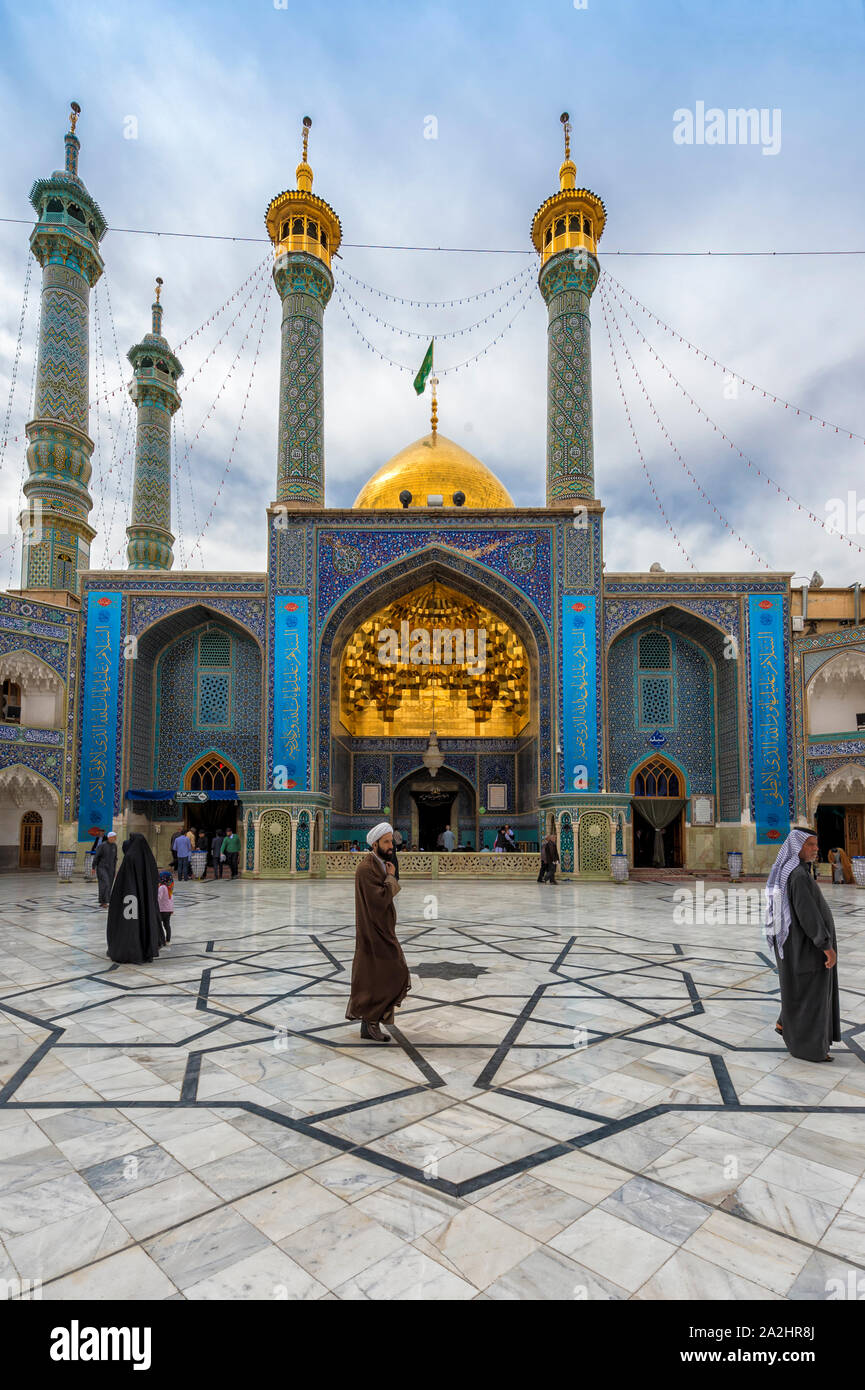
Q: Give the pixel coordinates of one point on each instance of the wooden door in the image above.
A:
(30, 844)
(853, 830)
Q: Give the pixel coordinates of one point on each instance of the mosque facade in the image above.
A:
(433, 655)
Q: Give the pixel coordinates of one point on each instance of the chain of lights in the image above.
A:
(178, 458)
(13, 543)
(662, 427)
(728, 371)
(440, 371)
(435, 303)
(263, 299)
(264, 305)
(425, 334)
(621, 387)
(258, 271)
(124, 424)
(769, 481)
(176, 476)
(23, 469)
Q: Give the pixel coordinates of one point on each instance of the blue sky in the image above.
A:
(218, 92)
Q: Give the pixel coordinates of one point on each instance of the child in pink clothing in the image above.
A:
(166, 905)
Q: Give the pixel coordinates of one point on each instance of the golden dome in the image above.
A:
(433, 466)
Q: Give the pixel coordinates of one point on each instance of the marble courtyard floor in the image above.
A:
(582, 1100)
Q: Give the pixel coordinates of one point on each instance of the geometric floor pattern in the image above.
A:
(582, 1100)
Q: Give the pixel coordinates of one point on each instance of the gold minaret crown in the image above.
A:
(571, 219)
(158, 287)
(74, 113)
(298, 220)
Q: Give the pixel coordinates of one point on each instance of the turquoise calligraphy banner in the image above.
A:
(290, 692)
(579, 692)
(102, 657)
(769, 717)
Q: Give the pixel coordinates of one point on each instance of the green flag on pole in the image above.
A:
(425, 368)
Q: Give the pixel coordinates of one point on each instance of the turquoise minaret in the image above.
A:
(305, 232)
(155, 371)
(565, 231)
(65, 242)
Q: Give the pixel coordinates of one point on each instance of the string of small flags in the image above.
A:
(662, 427)
(197, 546)
(649, 479)
(425, 333)
(770, 481)
(435, 303)
(440, 371)
(178, 458)
(124, 420)
(728, 371)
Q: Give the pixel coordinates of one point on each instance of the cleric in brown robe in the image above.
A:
(379, 975)
(799, 925)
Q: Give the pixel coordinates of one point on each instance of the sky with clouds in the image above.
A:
(213, 95)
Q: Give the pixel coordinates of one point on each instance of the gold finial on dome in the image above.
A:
(158, 287)
(434, 419)
(568, 169)
(303, 172)
(73, 116)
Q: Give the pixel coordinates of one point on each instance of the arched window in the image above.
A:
(212, 774)
(63, 571)
(75, 212)
(657, 778)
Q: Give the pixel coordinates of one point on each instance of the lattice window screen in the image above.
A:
(654, 652)
(214, 649)
(214, 695)
(655, 700)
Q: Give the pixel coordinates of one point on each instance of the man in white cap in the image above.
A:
(800, 928)
(379, 975)
(105, 864)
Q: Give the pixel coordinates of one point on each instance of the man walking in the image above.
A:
(800, 928)
(105, 864)
(231, 850)
(549, 859)
(183, 850)
(380, 979)
(216, 852)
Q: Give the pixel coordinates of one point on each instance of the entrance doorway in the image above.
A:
(30, 841)
(840, 827)
(434, 815)
(211, 774)
(659, 814)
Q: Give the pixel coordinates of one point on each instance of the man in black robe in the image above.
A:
(105, 864)
(802, 932)
(134, 923)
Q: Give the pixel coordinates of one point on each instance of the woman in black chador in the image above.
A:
(134, 926)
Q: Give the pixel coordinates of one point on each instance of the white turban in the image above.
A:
(377, 831)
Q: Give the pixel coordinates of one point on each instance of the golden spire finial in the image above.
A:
(158, 287)
(73, 117)
(568, 169)
(566, 123)
(303, 172)
(434, 419)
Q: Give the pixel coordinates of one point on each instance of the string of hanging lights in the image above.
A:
(424, 334)
(440, 371)
(437, 303)
(668, 524)
(265, 305)
(767, 478)
(662, 427)
(117, 465)
(728, 371)
(181, 530)
(12, 544)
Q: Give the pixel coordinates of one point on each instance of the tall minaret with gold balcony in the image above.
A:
(65, 242)
(565, 231)
(305, 232)
(155, 372)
